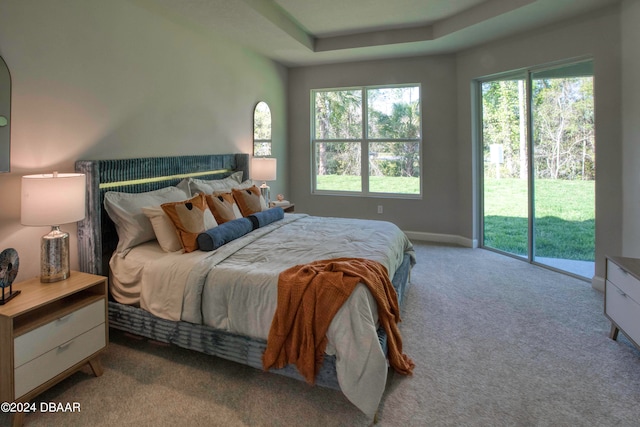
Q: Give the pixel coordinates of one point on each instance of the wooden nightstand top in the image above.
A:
(287, 208)
(36, 294)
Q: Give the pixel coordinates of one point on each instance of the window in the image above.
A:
(262, 130)
(367, 140)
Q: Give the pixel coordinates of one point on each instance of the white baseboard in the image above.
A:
(442, 238)
(597, 283)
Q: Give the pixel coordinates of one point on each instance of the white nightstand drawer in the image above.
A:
(40, 370)
(623, 280)
(37, 342)
(624, 311)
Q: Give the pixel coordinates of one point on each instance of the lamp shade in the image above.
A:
(53, 199)
(263, 169)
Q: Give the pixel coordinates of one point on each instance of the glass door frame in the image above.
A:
(477, 114)
(525, 76)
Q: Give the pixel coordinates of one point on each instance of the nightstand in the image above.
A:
(50, 331)
(622, 297)
(290, 208)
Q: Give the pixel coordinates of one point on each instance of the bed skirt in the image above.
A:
(237, 348)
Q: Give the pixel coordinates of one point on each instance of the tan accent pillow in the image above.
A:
(223, 206)
(248, 200)
(190, 217)
(166, 232)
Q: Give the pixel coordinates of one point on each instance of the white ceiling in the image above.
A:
(307, 32)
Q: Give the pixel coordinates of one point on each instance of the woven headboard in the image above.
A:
(97, 237)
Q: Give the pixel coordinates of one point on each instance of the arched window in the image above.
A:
(262, 130)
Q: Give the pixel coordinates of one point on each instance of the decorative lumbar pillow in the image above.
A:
(248, 200)
(132, 225)
(190, 217)
(224, 233)
(163, 227)
(223, 207)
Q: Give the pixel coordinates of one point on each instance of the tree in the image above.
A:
(564, 137)
(338, 116)
(563, 126)
(403, 122)
(503, 124)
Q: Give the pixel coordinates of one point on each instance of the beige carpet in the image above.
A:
(497, 342)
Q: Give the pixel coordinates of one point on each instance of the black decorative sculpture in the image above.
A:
(9, 264)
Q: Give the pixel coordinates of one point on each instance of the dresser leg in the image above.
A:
(96, 366)
(614, 332)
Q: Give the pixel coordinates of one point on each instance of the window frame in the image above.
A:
(258, 142)
(364, 141)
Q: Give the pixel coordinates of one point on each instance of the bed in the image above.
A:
(232, 271)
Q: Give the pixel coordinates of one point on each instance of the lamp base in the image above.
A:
(265, 190)
(54, 256)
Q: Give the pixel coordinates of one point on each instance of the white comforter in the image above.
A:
(234, 288)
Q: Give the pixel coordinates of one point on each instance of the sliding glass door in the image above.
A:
(562, 111)
(506, 165)
(538, 186)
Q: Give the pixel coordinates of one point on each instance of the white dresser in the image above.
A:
(48, 332)
(622, 297)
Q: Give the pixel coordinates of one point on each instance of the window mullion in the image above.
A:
(364, 144)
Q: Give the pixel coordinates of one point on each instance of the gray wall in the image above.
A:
(97, 79)
(630, 17)
(435, 213)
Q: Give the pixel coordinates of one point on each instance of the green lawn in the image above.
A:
(565, 217)
(377, 184)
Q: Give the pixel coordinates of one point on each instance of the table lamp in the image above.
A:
(52, 200)
(264, 169)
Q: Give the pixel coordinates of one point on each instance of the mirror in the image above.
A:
(5, 117)
(262, 130)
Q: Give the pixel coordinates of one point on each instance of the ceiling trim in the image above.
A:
(374, 38)
(274, 13)
(483, 12)
(381, 36)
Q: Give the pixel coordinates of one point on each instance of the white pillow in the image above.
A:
(184, 186)
(125, 210)
(246, 184)
(213, 185)
(163, 228)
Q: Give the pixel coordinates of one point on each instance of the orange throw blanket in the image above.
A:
(310, 295)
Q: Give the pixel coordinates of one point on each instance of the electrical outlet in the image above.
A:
(380, 209)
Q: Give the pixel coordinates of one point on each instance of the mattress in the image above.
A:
(234, 288)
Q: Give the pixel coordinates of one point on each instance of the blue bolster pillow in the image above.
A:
(224, 233)
(236, 228)
(268, 216)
